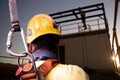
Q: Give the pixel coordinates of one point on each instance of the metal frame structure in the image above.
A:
(87, 16)
(92, 11)
(81, 13)
(115, 43)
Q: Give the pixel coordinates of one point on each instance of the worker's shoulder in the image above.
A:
(68, 68)
(67, 72)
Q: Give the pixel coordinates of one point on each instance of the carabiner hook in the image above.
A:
(9, 45)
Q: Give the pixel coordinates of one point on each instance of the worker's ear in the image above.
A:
(30, 48)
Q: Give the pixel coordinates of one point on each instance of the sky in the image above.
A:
(29, 8)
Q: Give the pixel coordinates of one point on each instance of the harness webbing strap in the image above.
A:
(44, 68)
(48, 65)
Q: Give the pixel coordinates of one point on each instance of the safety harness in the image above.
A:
(44, 68)
(49, 63)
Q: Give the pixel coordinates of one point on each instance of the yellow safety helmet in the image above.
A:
(40, 24)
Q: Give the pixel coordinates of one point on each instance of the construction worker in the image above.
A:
(43, 39)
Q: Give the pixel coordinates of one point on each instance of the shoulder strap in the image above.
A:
(48, 65)
(45, 67)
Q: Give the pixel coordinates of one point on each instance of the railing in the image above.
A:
(78, 27)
